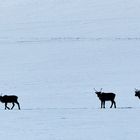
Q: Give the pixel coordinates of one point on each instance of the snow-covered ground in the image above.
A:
(75, 124)
(53, 53)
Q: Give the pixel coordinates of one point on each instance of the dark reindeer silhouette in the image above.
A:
(137, 93)
(9, 99)
(106, 97)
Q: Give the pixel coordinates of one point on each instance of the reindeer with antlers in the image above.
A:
(106, 97)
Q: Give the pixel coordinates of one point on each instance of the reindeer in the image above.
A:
(106, 97)
(9, 99)
(137, 93)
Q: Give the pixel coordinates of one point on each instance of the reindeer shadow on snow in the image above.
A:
(9, 99)
(103, 97)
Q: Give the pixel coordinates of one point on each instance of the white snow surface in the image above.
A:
(53, 53)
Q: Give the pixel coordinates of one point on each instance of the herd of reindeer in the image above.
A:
(104, 96)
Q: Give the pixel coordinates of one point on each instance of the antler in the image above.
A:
(101, 89)
(136, 89)
(95, 89)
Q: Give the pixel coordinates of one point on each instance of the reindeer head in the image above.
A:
(98, 92)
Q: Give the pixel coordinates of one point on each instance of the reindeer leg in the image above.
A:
(6, 107)
(13, 106)
(101, 104)
(104, 104)
(18, 105)
(112, 102)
